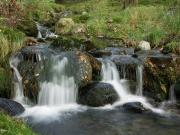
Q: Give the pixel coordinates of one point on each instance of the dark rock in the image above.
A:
(136, 107)
(97, 94)
(177, 90)
(11, 107)
(100, 53)
(160, 72)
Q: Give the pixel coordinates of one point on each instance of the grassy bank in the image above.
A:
(148, 20)
(11, 126)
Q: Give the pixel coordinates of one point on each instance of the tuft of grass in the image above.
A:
(11, 41)
(11, 126)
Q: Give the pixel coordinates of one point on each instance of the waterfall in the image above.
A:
(110, 75)
(44, 33)
(18, 87)
(60, 89)
(139, 80)
(39, 36)
(172, 97)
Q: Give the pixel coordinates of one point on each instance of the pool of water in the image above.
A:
(108, 122)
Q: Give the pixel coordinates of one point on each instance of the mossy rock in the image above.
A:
(173, 47)
(64, 26)
(67, 44)
(159, 74)
(28, 27)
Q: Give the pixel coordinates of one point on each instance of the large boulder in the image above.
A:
(11, 107)
(97, 94)
(64, 26)
(28, 27)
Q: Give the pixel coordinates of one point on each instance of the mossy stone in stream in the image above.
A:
(67, 44)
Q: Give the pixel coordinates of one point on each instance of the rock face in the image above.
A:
(11, 107)
(136, 107)
(29, 28)
(97, 94)
(64, 26)
(144, 45)
(159, 74)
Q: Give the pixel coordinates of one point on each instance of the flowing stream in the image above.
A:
(57, 112)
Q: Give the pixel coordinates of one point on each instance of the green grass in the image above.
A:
(149, 20)
(40, 10)
(11, 41)
(11, 126)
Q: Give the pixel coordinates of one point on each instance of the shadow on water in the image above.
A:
(108, 122)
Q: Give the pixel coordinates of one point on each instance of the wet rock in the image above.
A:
(126, 66)
(100, 53)
(28, 27)
(97, 94)
(135, 107)
(144, 45)
(64, 26)
(160, 72)
(11, 107)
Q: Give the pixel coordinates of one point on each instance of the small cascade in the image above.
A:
(60, 89)
(18, 87)
(44, 33)
(139, 80)
(172, 97)
(110, 75)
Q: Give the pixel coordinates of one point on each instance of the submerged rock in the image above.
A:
(11, 107)
(97, 94)
(136, 107)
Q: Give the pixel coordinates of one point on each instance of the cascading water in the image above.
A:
(44, 32)
(139, 79)
(60, 89)
(18, 87)
(110, 75)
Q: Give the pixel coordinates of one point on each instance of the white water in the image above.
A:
(139, 79)
(61, 89)
(172, 97)
(110, 75)
(48, 33)
(18, 87)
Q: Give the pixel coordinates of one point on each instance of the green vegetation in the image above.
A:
(10, 126)
(149, 20)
